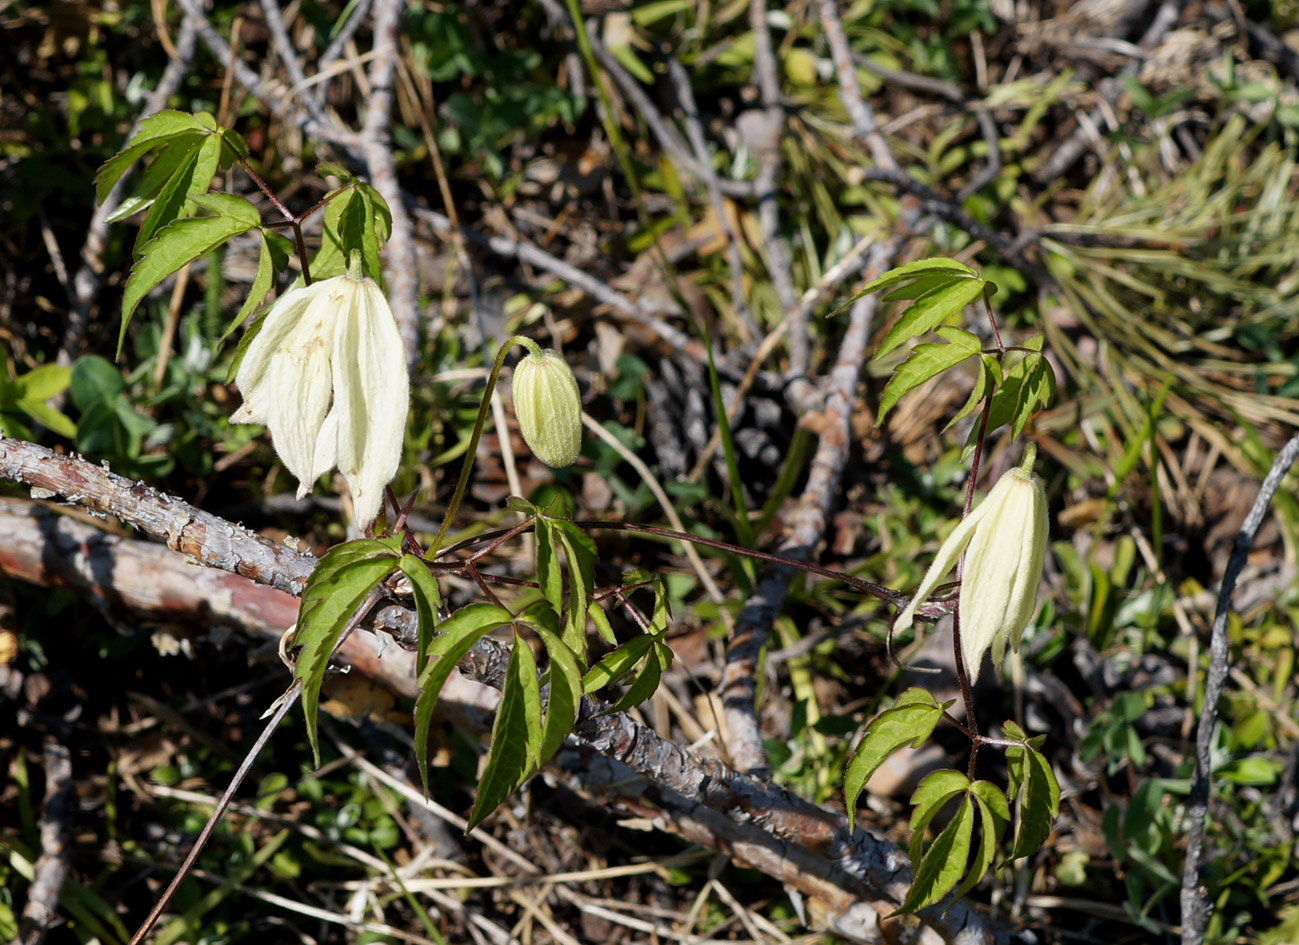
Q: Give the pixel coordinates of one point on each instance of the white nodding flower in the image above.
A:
(327, 376)
(1006, 538)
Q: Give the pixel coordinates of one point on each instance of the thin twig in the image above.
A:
(85, 284)
(638, 311)
(287, 702)
(859, 111)
(288, 55)
(52, 866)
(376, 147)
(1196, 905)
(695, 132)
(335, 49)
(807, 525)
(766, 73)
(273, 97)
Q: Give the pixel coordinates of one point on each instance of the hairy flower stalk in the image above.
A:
(548, 406)
(1006, 537)
(327, 376)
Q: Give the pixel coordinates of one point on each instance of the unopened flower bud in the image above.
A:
(1006, 538)
(549, 407)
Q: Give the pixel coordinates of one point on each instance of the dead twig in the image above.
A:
(1195, 898)
(695, 132)
(767, 149)
(376, 147)
(1067, 154)
(807, 524)
(273, 96)
(51, 870)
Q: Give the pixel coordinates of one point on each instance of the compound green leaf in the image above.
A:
(456, 636)
(334, 591)
(516, 734)
(909, 722)
(944, 862)
(931, 310)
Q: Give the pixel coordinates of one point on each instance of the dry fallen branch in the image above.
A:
(801, 837)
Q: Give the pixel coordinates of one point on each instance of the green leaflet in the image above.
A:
(549, 574)
(427, 599)
(920, 269)
(155, 131)
(191, 178)
(581, 554)
(934, 791)
(601, 621)
(617, 663)
(456, 637)
(53, 420)
(945, 299)
(943, 863)
(516, 734)
(986, 376)
(355, 218)
(1039, 798)
(42, 383)
(646, 681)
(926, 361)
(564, 677)
(345, 575)
(994, 815)
(181, 242)
(257, 291)
(909, 722)
(1027, 386)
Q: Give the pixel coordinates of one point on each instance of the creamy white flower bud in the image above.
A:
(549, 407)
(327, 376)
(1006, 536)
